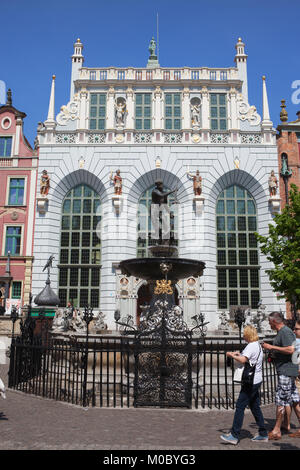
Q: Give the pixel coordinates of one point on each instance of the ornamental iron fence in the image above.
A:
(125, 371)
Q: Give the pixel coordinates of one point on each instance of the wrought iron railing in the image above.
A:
(101, 371)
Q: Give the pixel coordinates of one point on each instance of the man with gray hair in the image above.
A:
(287, 394)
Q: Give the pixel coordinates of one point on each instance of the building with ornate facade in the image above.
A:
(125, 128)
(18, 176)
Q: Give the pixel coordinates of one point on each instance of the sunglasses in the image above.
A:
(296, 329)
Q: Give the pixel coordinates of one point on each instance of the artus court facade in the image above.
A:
(123, 129)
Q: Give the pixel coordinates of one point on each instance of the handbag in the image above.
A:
(238, 373)
(245, 374)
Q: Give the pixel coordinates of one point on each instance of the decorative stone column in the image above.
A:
(186, 113)
(130, 108)
(205, 114)
(234, 124)
(110, 118)
(83, 109)
(157, 108)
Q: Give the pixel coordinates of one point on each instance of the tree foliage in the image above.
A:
(282, 248)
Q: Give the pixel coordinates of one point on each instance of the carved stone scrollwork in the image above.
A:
(68, 112)
(247, 112)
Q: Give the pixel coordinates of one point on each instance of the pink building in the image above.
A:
(18, 180)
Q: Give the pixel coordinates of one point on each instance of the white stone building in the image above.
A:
(156, 123)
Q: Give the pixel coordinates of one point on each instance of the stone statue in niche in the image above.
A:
(197, 182)
(117, 180)
(44, 183)
(273, 184)
(195, 115)
(120, 111)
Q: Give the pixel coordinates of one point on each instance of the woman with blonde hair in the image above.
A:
(249, 394)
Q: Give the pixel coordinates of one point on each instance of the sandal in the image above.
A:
(274, 437)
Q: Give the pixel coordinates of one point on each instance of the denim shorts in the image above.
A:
(286, 392)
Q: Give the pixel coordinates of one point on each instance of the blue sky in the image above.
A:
(38, 37)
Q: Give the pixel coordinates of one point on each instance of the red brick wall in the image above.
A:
(287, 143)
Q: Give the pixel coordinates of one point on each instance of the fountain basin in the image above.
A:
(150, 268)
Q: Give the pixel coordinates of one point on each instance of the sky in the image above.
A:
(37, 41)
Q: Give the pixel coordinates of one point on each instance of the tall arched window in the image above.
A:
(144, 222)
(237, 250)
(80, 248)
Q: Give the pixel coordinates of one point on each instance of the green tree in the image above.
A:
(282, 248)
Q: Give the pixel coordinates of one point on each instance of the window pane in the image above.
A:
(243, 278)
(221, 257)
(241, 223)
(242, 240)
(251, 207)
(254, 280)
(232, 278)
(231, 223)
(220, 223)
(64, 241)
(222, 299)
(222, 278)
(231, 257)
(220, 207)
(231, 240)
(230, 191)
(230, 207)
(65, 222)
(67, 206)
(221, 240)
(243, 258)
(222, 112)
(241, 207)
(76, 222)
(213, 99)
(240, 193)
(76, 206)
(77, 192)
(16, 289)
(252, 223)
(253, 257)
(252, 240)
(233, 297)
(214, 124)
(244, 297)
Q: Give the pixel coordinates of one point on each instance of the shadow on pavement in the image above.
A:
(3, 417)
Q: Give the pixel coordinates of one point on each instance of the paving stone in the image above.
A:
(34, 423)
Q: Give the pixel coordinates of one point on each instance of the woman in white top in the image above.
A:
(249, 394)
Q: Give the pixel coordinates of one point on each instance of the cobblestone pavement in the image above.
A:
(32, 423)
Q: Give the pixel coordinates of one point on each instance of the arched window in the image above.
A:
(80, 248)
(144, 222)
(237, 250)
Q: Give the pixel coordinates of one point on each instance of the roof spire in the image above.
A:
(51, 110)
(266, 121)
(283, 112)
(241, 64)
(9, 98)
(77, 63)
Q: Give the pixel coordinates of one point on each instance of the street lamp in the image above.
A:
(14, 317)
(87, 317)
(239, 318)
